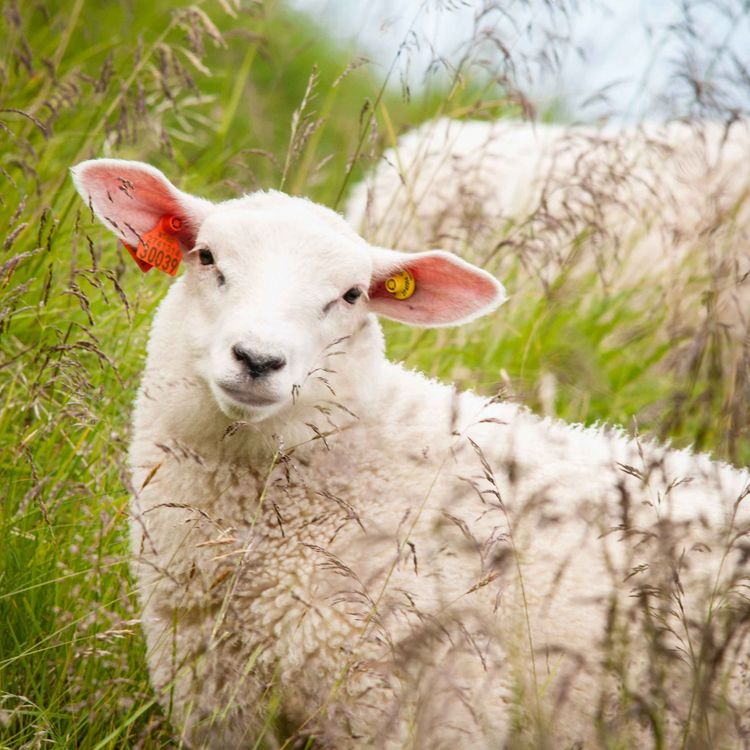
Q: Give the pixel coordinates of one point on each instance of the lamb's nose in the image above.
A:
(256, 364)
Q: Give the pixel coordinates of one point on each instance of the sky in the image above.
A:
(638, 50)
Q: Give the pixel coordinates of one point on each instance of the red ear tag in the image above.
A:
(159, 247)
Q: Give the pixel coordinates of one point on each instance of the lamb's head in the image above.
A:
(277, 285)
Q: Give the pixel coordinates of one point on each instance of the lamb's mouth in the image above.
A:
(246, 398)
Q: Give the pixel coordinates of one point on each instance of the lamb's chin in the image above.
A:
(236, 409)
(254, 414)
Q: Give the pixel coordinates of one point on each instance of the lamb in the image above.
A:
(328, 545)
(659, 207)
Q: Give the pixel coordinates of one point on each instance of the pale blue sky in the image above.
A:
(629, 45)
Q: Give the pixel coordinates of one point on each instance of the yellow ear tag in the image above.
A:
(401, 285)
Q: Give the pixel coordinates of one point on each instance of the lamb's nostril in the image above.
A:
(256, 364)
(275, 363)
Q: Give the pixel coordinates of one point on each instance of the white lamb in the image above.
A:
(660, 207)
(328, 545)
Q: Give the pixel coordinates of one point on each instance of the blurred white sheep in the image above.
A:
(664, 206)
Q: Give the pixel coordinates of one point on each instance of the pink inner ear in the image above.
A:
(446, 291)
(132, 199)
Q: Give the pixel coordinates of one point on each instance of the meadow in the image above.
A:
(226, 97)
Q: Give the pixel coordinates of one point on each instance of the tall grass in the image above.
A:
(224, 97)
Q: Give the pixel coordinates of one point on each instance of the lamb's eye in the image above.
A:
(206, 257)
(353, 295)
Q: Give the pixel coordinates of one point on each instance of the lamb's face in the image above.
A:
(278, 288)
(275, 285)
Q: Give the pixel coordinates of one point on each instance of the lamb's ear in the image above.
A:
(446, 289)
(130, 197)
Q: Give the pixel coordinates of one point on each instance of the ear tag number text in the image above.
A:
(401, 285)
(159, 247)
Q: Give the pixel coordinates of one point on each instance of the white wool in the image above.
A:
(663, 204)
(398, 564)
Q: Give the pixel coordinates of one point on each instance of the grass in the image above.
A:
(224, 97)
